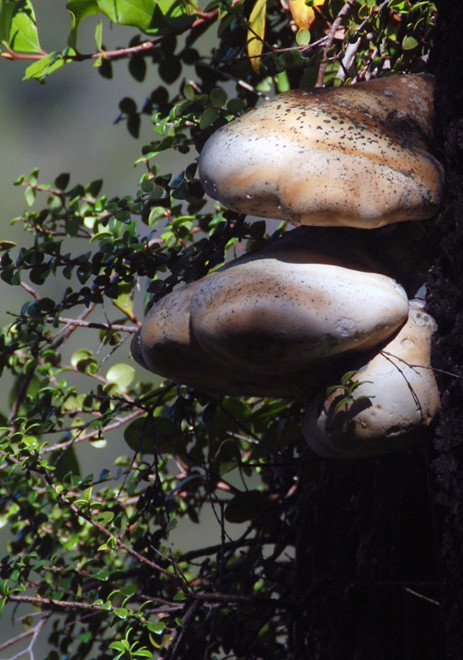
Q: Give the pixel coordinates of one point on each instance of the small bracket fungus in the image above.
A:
(271, 322)
(356, 156)
(396, 400)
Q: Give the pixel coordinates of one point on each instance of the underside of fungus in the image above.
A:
(290, 319)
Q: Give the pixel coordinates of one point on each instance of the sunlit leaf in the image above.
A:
(18, 28)
(79, 9)
(137, 13)
(121, 375)
(256, 33)
(302, 14)
(124, 302)
(46, 65)
(409, 43)
(84, 361)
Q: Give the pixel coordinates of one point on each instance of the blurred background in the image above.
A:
(67, 125)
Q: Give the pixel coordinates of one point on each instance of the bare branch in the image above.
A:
(330, 38)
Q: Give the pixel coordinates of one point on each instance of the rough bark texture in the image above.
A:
(445, 300)
(379, 552)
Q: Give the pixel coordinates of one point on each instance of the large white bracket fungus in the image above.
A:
(272, 322)
(356, 156)
(396, 400)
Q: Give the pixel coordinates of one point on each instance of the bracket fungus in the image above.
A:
(394, 398)
(357, 156)
(271, 322)
(284, 320)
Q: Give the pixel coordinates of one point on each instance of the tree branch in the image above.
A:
(330, 38)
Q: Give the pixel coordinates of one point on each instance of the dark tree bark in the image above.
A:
(379, 558)
(445, 300)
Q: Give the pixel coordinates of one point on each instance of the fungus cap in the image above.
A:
(395, 402)
(356, 156)
(267, 324)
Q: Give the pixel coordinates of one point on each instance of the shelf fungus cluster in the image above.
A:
(290, 319)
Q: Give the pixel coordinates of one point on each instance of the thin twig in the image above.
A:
(117, 327)
(63, 334)
(119, 421)
(181, 630)
(21, 394)
(52, 602)
(30, 290)
(418, 595)
(422, 366)
(330, 38)
(32, 632)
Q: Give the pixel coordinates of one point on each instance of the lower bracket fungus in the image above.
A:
(271, 322)
(388, 402)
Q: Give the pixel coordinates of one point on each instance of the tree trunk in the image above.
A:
(379, 558)
(445, 297)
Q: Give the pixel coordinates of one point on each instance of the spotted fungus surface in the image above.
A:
(357, 156)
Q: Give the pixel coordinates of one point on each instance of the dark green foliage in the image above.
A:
(92, 551)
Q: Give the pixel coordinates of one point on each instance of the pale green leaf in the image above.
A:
(99, 35)
(45, 66)
(409, 43)
(121, 375)
(18, 28)
(256, 33)
(79, 9)
(124, 302)
(303, 37)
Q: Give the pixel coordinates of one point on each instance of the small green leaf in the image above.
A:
(345, 401)
(62, 181)
(45, 66)
(29, 196)
(409, 43)
(347, 376)
(99, 35)
(157, 628)
(79, 9)
(208, 117)
(121, 375)
(218, 97)
(104, 517)
(303, 37)
(6, 245)
(84, 361)
(120, 646)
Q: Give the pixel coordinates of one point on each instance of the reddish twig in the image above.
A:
(62, 446)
